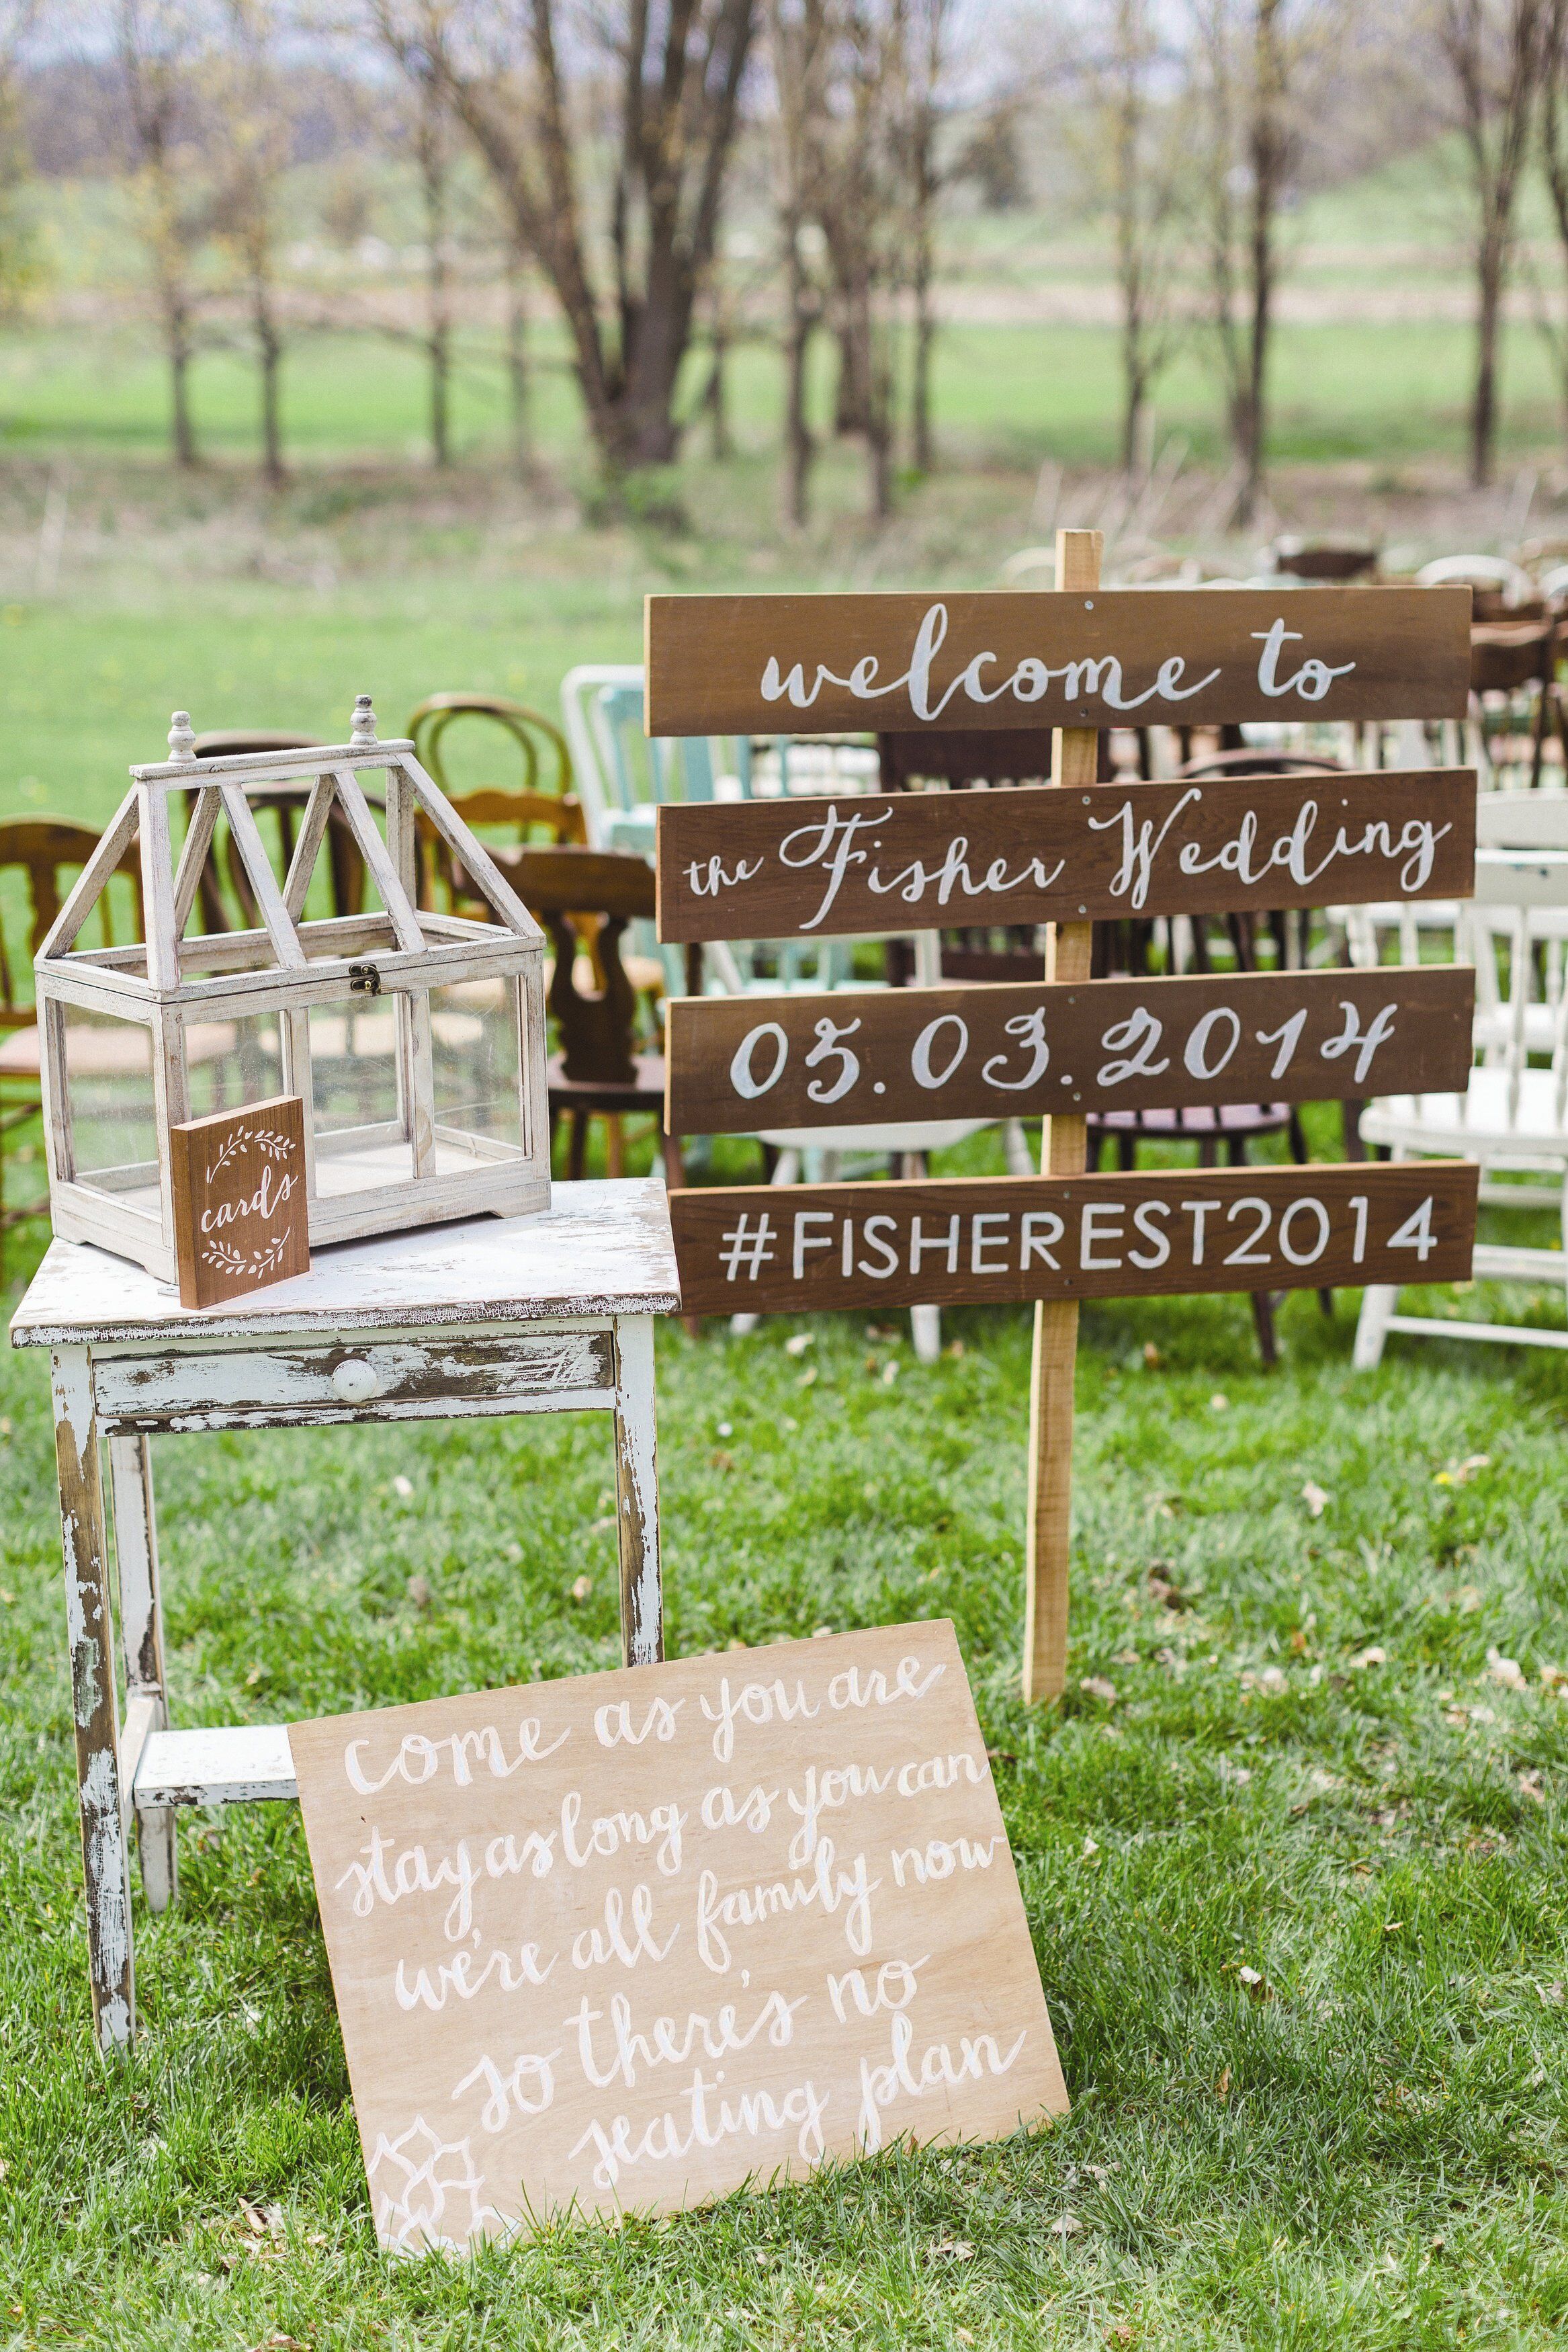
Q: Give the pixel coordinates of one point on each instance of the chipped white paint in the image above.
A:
(637, 1495)
(220, 1764)
(600, 1248)
(548, 1314)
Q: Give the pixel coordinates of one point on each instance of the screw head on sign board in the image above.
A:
(182, 741)
(364, 729)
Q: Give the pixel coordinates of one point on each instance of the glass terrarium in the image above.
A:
(415, 1040)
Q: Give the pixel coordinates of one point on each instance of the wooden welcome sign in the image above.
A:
(1115, 658)
(1067, 855)
(1015, 1049)
(625, 1941)
(769, 870)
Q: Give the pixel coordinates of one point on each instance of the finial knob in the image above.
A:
(182, 741)
(364, 721)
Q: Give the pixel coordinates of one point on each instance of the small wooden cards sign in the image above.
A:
(630, 1941)
(241, 1214)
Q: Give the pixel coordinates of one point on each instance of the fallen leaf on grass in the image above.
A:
(1256, 1982)
(1529, 1786)
(1461, 1474)
(807, 1377)
(1120, 2333)
(1551, 1996)
(1507, 1670)
(280, 2343)
(890, 1372)
(1066, 2225)
(1218, 1404)
(403, 1487)
(958, 2249)
(1098, 1687)
(1222, 2088)
(1553, 1678)
(1152, 1355)
(1315, 1498)
(582, 1588)
(1090, 1850)
(798, 1342)
(1125, 1658)
(1373, 1657)
(419, 1592)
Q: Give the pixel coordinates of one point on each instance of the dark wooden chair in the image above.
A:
(284, 804)
(44, 850)
(1330, 562)
(1510, 659)
(599, 1071)
(543, 803)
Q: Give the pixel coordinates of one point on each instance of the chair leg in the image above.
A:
(1371, 1326)
(577, 1150)
(1263, 1323)
(614, 1145)
(1015, 1145)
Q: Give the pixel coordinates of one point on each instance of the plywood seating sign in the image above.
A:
(1066, 855)
(628, 1941)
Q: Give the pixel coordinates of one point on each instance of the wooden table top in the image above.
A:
(600, 1248)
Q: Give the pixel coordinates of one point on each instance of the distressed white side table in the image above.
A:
(549, 1313)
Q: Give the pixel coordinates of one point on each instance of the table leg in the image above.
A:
(637, 1492)
(142, 1643)
(104, 1850)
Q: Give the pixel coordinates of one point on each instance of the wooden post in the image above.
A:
(1075, 760)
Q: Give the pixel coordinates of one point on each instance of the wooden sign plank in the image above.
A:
(631, 1939)
(915, 861)
(1001, 1240)
(1117, 657)
(1014, 1050)
(242, 1219)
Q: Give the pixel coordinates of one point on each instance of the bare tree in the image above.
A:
(157, 43)
(670, 79)
(255, 154)
(1496, 52)
(860, 158)
(929, 35)
(1554, 164)
(432, 131)
(1245, 53)
(17, 18)
(798, 43)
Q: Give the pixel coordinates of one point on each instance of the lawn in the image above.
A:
(1294, 1582)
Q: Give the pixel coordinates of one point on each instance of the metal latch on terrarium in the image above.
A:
(364, 980)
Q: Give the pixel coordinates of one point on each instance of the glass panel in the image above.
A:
(233, 1062)
(474, 1031)
(109, 1106)
(362, 1139)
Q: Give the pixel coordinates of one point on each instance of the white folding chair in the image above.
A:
(1513, 1116)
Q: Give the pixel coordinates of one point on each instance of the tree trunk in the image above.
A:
(720, 445)
(1134, 405)
(1483, 404)
(440, 390)
(517, 380)
(269, 353)
(178, 333)
(921, 440)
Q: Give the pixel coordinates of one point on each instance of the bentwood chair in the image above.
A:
(43, 850)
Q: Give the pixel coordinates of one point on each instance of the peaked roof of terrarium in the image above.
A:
(169, 889)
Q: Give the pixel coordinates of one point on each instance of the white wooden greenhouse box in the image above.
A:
(416, 1041)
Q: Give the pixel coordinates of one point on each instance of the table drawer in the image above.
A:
(378, 1379)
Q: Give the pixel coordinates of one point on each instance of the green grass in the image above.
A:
(1245, 2171)
(1013, 395)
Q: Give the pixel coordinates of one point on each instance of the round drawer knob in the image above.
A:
(356, 1381)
